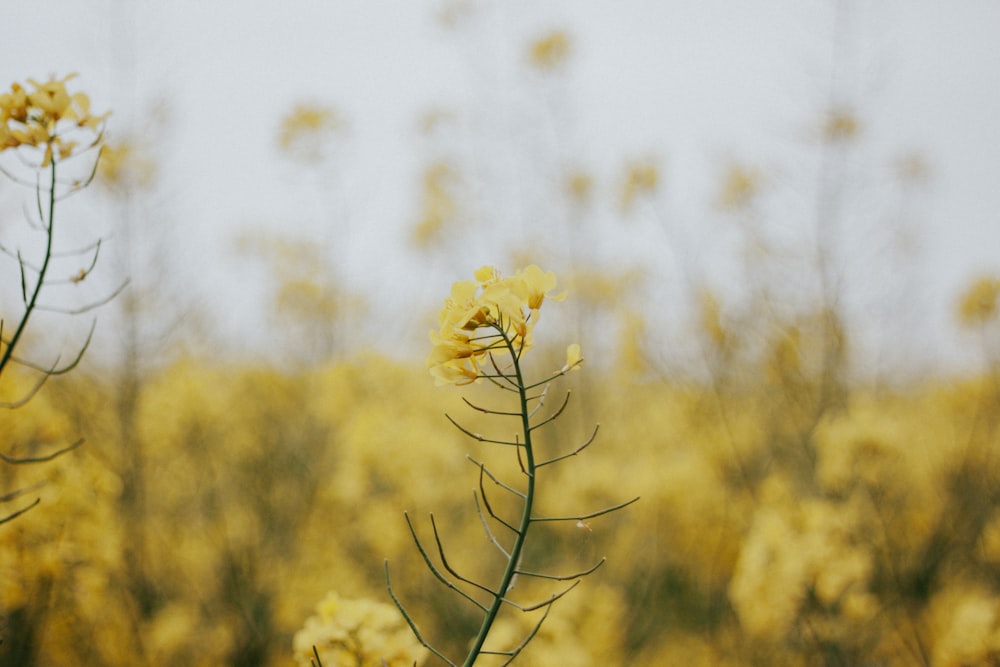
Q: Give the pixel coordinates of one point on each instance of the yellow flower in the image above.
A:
(641, 179)
(538, 284)
(504, 308)
(573, 358)
(306, 132)
(980, 303)
(37, 119)
(841, 126)
(578, 186)
(550, 51)
(739, 189)
(51, 97)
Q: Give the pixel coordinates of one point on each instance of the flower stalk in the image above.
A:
(486, 327)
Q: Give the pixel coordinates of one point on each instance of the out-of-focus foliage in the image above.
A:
(357, 632)
(794, 513)
(773, 529)
(307, 132)
(313, 310)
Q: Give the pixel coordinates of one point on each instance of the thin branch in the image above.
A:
(554, 415)
(88, 307)
(11, 517)
(40, 459)
(85, 271)
(449, 568)
(499, 519)
(437, 573)
(488, 410)
(545, 603)
(409, 621)
(513, 653)
(55, 369)
(28, 395)
(94, 245)
(17, 493)
(486, 526)
(531, 635)
(576, 451)
(24, 279)
(567, 577)
(483, 469)
(477, 436)
(541, 401)
(581, 517)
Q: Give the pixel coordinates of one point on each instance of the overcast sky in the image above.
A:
(693, 84)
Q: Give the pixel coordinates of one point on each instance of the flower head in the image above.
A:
(488, 314)
(44, 117)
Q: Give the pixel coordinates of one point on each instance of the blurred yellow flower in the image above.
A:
(439, 207)
(357, 632)
(739, 188)
(841, 125)
(42, 118)
(550, 51)
(641, 179)
(123, 167)
(579, 186)
(980, 302)
(306, 130)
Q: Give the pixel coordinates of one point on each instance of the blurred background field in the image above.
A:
(778, 232)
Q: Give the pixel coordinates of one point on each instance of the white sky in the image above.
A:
(691, 83)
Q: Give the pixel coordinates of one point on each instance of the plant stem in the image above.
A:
(29, 305)
(515, 553)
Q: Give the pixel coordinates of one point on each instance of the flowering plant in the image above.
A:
(485, 328)
(45, 119)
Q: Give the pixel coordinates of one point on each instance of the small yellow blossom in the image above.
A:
(42, 118)
(578, 186)
(641, 179)
(306, 131)
(841, 126)
(573, 358)
(550, 51)
(739, 188)
(505, 308)
(980, 303)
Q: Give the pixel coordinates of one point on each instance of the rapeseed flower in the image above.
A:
(506, 307)
(43, 118)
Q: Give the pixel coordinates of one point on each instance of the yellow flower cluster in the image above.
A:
(550, 51)
(306, 131)
(980, 303)
(41, 118)
(357, 632)
(508, 308)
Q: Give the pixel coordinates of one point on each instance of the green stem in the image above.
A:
(30, 304)
(522, 531)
